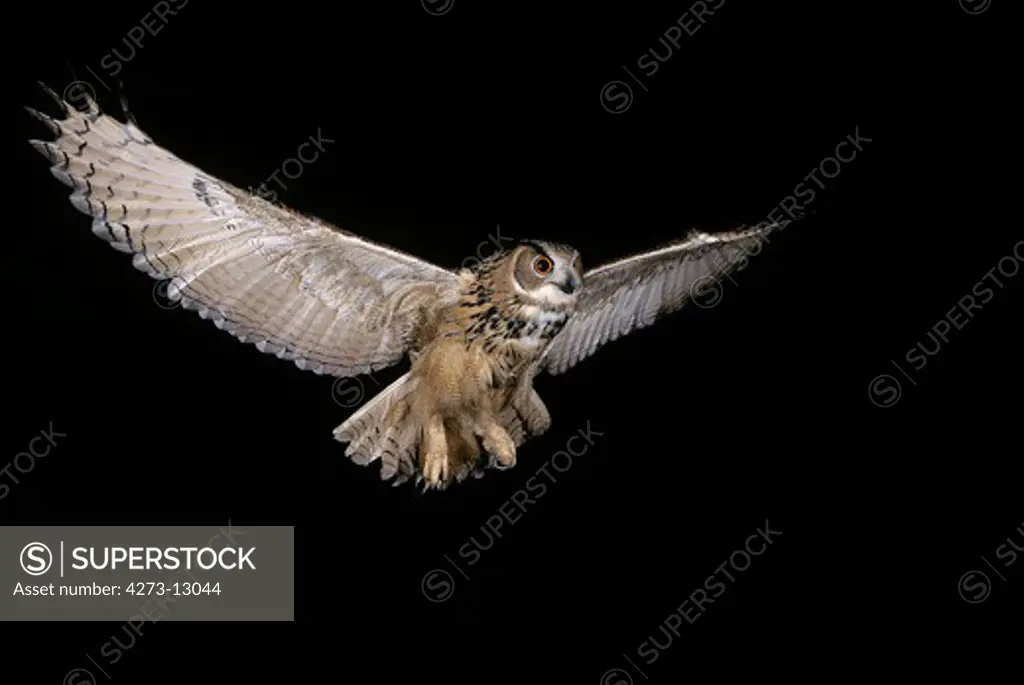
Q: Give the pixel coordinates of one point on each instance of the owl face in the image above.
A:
(547, 274)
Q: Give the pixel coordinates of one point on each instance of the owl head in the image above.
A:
(546, 274)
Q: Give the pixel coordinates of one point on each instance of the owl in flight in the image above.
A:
(337, 304)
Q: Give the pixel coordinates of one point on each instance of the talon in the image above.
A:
(538, 423)
(501, 448)
(435, 469)
(434, 456)
(533, 413)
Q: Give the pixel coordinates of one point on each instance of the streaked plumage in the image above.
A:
(337, 304)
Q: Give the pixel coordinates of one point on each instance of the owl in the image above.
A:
(337, 304)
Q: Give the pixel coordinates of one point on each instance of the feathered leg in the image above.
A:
(464, 449)
(530, 408)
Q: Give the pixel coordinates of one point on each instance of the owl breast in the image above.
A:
(511, 335)
(539, 326)
(520, 340)
(510, 331)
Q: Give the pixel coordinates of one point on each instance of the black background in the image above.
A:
(712, 422)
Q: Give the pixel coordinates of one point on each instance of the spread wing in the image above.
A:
(633, 293)
(294, 286)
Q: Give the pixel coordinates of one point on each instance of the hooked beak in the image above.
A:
(569, 286)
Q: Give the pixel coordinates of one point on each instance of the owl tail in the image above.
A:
(383, 429)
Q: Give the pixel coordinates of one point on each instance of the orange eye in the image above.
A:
(542, 265)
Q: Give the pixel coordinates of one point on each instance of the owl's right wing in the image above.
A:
(635, 292)
(294, 286)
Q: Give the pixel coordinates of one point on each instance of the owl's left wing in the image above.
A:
(633, 293)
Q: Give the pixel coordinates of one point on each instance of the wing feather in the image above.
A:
(294, 286)
(635, 292)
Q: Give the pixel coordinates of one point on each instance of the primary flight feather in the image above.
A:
(338, 304)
